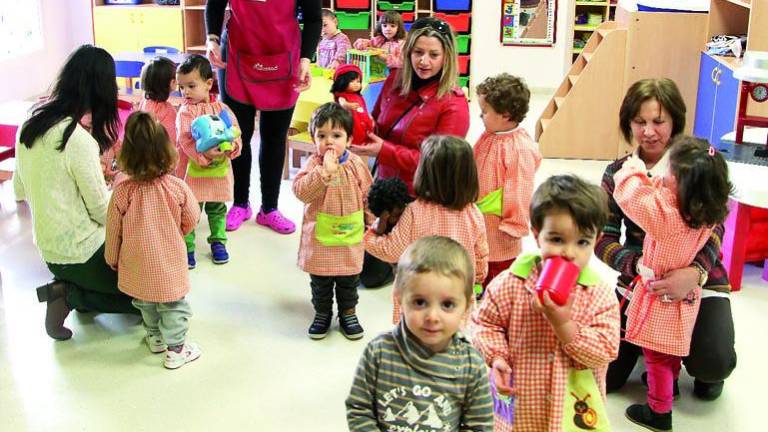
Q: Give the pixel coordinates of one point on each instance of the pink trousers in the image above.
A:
(662, 369)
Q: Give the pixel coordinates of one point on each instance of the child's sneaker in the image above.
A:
(320, 326)
(189, 352)
(644, 416)
(155, 343)
(350, 326)
(219, 253)
(191, 262)
(237, 215)
(276, 221)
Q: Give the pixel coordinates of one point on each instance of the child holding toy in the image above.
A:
(678, 212)
(423, 375)
(507, 160)
(346, 89)
(446, 190)
(208, 174)
(552, 358)
(333, 186)
(388, 38)
(332, 48)
(158, 80)
(148, 215)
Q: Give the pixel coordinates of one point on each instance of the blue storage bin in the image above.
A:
(407, 26)
(122, 2)
(452, 5)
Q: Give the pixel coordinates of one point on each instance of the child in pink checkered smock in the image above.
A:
(678, 212)
(333, 185)
(507, 160)
(545, 357)
(148, 215)
(446, 190)
(333, 46)
(208, 174)
(389, 38)
(158, 80)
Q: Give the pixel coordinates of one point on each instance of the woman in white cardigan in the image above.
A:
(58, 172)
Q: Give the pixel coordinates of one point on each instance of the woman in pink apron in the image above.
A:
(263, 60)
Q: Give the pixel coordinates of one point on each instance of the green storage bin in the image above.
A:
(463, 81)
(463, 43)
(354, 21)
(404, 6)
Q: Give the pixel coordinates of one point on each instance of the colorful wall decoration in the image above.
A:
(528, 22)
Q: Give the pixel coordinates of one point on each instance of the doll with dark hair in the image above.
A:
(347, 87)
(387, 200)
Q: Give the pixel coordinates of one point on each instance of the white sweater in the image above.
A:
(66, 192)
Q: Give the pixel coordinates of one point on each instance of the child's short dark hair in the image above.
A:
(327, 13)
(341, 82)
(447, 173)
(702, 181)
(199, 63)
(585, 202)
(507, 95)
(436, 254)
(156, 77)
(391, 17)
(388, 194)
(334, 113)
(147, 151)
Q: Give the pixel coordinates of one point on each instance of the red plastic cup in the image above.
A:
(558, 276)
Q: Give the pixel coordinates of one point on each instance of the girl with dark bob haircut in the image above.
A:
(447, 173)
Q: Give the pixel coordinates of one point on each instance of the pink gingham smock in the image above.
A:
(165, 113)
(669, 244)
(506, 326)
(146, 224)
(344, 194)
(206, 189)
(507, 160)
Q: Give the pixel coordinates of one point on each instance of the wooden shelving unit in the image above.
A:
(582, 11)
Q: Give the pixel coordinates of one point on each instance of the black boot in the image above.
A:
(707, 391)
(644, 416)
(55, 293)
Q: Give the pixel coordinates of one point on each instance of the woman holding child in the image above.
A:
(59, 174)
(420, 100)
(652, 113)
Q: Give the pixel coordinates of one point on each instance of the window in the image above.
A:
(21, 29)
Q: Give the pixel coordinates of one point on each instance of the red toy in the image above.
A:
(558, 276)
(347, 87)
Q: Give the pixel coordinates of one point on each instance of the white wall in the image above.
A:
(541, 67)
(66, 25)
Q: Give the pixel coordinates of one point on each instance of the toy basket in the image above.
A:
(373, 68)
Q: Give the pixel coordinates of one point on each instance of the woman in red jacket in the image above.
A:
(417, 101)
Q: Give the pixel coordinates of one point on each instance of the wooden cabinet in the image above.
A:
(131, 28)
(716, 100)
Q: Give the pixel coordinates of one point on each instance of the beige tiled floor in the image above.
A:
(258, 370)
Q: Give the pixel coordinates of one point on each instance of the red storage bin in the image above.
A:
(459, 22)
(463, 64)
(353, 4)
(407, 16)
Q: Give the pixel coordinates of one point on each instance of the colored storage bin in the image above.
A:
(462, 42)
(407, 26)
(453, 5)
(463, 81)
(354, 21)
(463, 64)
(403, 6)
(459, 22)
(122, 2)
(353, 4)
(406, 16)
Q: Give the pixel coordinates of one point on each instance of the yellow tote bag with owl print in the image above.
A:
(584, 408)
